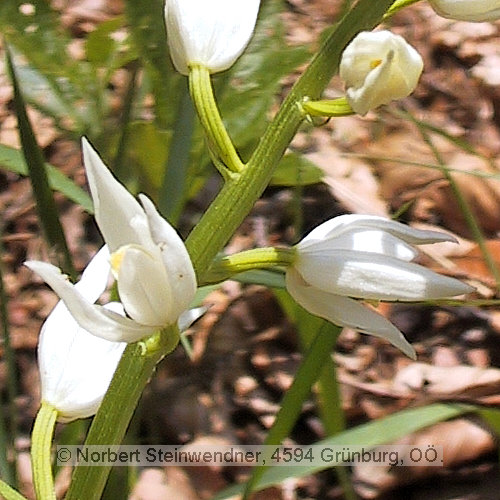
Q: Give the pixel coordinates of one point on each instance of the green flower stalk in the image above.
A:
(206, 38)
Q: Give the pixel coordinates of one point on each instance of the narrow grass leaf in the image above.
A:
(375, 433)
(47, 211)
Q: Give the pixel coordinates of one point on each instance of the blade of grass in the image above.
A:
(463, 204)
(328, 391)
(369, 435)
(175, 181)
(12, 159)
(8, 432)
(431, 166)
(10, 493)
(118, 166)
(47, 211)
(291, 405)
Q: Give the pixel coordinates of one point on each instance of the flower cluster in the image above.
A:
(345, 260)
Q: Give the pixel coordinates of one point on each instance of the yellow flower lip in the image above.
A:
(116, 259)
(375, 63)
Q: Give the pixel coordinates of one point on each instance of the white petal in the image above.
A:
(213, 34)
(362, 240)
(114, 206)
(95, 277)
(175, 257)
(93, 318)
(144, 287)
(344, 311)
(188, 317)
(333, 228)
(75, 366)
(374, 276)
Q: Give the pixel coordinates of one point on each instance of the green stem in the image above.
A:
(329, 107)
(200, 86)
(110, 424)
(257, 258)
(240, 192)
(41, 443)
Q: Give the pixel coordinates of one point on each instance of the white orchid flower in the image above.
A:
(155, 276)
(468, 10)
(365, 257)
(212, 34)
(76, 367)
(378, 67)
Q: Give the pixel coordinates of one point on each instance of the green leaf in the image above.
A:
(53, 80)
(9, 493)
(148, 148)
(375, 433)
(147, 26)
(295, 170)
(100, 46)
(45, 205)
(317, 355)
(12, 159)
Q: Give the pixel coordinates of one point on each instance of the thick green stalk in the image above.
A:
(110, 424)
(41, 442)
(242, 190)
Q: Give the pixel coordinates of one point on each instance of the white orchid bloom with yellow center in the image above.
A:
(365, 257)
(155, 277)
(211, 34)
(468, 10)
(65, 351)
(378, 67)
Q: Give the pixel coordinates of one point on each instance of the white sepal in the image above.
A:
(344, 311)
(75, 366)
